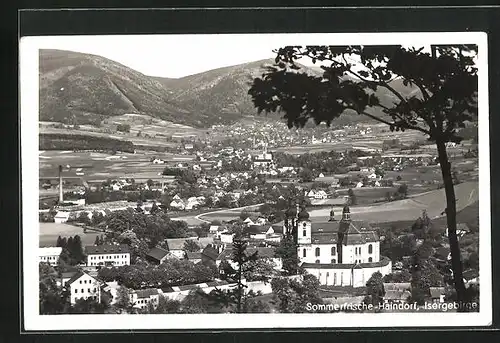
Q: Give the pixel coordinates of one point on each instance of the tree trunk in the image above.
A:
(451, 220)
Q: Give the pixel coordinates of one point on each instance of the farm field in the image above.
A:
(50, 231)
(100, 166)
(401, 210)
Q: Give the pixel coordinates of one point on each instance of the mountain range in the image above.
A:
(78, 88)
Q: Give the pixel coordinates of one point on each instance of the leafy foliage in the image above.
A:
(292, 296)
(439, 99)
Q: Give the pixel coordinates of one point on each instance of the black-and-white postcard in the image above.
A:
(223, 181)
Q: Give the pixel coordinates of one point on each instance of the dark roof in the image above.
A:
(75, 277)
(66, 275)
(358, 232)
(188, 287)
(193, 255)
(210, 252)
(436, 292)
(262, 252)
(146, 293)
(157, 253)
(106, 249)
(383, 262)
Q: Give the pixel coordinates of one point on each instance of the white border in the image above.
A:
(29, 138)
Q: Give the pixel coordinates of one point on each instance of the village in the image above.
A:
(156, 244)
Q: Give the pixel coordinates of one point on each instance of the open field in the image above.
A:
(408, 209)
(100, 166)
(144, 130)
(433, 202)
(50, 231)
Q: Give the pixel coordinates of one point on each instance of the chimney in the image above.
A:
(61, 200)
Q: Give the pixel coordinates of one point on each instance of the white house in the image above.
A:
(321, 194)
(108, 255)
(178, 204)
(158, 161)
(82, 285)
(61, 217)
(49, 255)
(359, 184)
(226, 237)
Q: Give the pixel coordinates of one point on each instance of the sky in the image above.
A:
(179, 55)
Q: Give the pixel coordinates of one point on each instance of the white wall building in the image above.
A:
(143, 297)
(61, 217)
(82, 285)
(49, 255)
(341, 253)
(108, 255)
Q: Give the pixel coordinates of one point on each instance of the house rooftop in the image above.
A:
(193, 255)
(146, 293)
(210, 252)
(76, 276)
(49, 251)
(157, 253)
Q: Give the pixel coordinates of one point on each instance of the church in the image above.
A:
(341, 252)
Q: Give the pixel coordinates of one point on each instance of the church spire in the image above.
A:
(346, 213)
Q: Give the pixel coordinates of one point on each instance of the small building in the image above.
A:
(61, 217)
(397, 292)
(142, 298)
(49, 255)
(83, 286)
(108, 255)
(157, 255)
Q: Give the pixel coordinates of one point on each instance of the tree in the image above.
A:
(244, 215)
(438, 97)
(306, 175)
(403, 190)
(97, 240)
(191, 246)
(52, 299)
(287, 251)
(375, 289)
(242, 264)
(292, 296)
(352, 197)
(123, 299)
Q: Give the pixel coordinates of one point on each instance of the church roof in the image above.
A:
(358, 232)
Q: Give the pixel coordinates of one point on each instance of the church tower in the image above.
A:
(332, 216)
(303, 227)
(344, 225)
